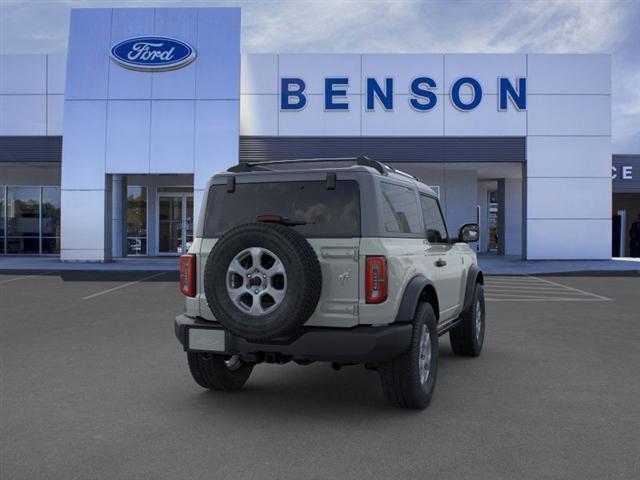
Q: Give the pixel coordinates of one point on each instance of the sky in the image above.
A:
(397, 26)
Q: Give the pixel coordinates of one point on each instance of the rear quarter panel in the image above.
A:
(341, 281)
(405, 259)
(204, 247)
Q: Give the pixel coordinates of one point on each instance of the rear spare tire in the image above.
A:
(262, 280)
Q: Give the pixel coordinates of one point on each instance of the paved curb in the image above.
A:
(572, 273)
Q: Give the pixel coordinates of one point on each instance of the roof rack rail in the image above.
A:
(404, 174)
(360, 160)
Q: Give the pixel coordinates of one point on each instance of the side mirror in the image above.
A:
(469, 232)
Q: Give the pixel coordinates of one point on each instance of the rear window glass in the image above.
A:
(400, 207)
(327, 213)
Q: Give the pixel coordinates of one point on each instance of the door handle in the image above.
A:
(440, 263)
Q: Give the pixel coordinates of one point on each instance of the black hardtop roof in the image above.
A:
(350, 163)
(324, 165)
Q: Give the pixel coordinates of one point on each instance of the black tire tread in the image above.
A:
(210, 371)
(462, 336)
(310, 263)
(400, 381)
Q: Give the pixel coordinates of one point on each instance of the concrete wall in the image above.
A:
(261, 114)
(460, 196)
(569, 157)
(119, 121)
(31, 94)
(188, 121)
(567, 124)
(512, 214)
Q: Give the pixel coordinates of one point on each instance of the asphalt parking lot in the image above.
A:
(95, 386)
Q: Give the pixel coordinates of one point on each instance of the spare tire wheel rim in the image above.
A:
(256, 281)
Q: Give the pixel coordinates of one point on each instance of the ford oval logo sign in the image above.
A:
(153, 54)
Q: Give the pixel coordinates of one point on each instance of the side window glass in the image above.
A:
(401, 213)
(433, 221)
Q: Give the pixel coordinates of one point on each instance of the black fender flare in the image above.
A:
(411, 297)
(474, 276)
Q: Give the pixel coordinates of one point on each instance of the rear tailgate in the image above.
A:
(328, 216)
(338, 304)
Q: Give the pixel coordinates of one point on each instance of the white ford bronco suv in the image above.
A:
(347, 261)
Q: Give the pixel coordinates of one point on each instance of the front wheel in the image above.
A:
(409, 380)
(467, 337)
(218, 372)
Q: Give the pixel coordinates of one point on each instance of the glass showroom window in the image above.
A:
(23, 220)
(3, 217)
(136, 220)
(30, 220)
(50, 220)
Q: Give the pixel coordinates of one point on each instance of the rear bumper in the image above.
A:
(362, 344)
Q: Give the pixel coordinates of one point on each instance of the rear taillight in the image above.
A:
(188, 275)
(376, 281)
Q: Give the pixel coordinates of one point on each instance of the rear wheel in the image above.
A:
(467, 337)
(218, 372)
(409, 380)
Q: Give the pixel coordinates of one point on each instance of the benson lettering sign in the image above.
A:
(465, 94)
(625, 173)
(152, 54)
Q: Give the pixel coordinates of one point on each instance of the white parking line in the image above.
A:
(518, 284)
(536, 299)
(25, 277)
(544, 288)
(124, 285)
(531, 291)
(535, 289)
(600, 297)
(511, 280)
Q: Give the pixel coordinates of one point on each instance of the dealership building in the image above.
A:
(105, 151)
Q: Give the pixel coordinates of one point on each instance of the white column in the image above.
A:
(512, 213)
(483, 201)
(217, 143)
(459, 195)
(501, 216)
(84, 191)
(568, 157)
(152, 216)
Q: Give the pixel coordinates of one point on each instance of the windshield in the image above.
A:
(321, 212)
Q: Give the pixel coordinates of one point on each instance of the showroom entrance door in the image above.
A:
(175, 223)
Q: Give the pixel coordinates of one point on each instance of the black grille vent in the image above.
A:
(386, 149)
(30, 149)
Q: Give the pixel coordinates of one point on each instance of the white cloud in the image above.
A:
(398, 26)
